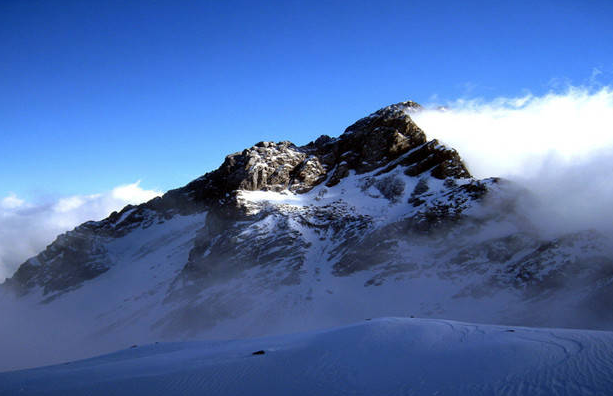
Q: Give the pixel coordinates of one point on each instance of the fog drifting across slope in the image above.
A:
(558, 145)
(26, 227)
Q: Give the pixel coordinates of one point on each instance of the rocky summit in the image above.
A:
(385, 140)
(379, 221)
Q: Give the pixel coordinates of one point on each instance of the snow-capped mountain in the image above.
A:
(377, 222)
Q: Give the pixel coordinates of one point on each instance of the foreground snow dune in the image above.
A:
(390, 356)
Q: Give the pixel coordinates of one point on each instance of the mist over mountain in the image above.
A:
(379, 221)
(27, 227)
(557, 145)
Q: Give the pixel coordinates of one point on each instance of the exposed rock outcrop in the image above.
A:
(385, 139)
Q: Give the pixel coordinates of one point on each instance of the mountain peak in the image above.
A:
(376, 141)
(380, 143)
(397, 110)
(395, 116)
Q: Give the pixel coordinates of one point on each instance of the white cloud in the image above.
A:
(132, 193)
(517, 136)
(559, 145)
(27, 227)
(11, 202)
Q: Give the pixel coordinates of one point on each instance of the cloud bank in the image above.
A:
(27, 227)
(559, 146)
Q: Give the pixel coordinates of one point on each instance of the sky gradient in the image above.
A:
(98, 94)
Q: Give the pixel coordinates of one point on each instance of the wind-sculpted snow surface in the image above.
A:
(390, 356)
(376, 222)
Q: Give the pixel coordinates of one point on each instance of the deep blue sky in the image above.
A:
(96, 94)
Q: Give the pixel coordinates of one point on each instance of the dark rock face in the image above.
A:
(435, 216)
(223, 248)
(73, 258)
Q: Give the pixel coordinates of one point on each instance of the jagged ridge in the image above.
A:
(384, 140)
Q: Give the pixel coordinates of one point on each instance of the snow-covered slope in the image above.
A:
(390, 356)
(377, 222)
